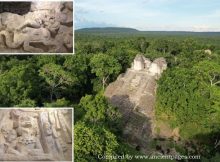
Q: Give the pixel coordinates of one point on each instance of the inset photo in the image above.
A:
(36, 27)
(36, 134)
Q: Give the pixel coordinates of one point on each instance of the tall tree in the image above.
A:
(103, 66)
(78, 66)
(210, 71)
(98, 110)
(56, 77)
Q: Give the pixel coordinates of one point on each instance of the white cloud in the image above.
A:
(205, 28)
(148, 14)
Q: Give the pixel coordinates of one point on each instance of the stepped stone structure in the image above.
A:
(36, 27)
(36, 134)
(134, 94)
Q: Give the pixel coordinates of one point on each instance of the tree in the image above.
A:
(141, 44)
(56, 77)
(189, 45)
(78, 66)
(183, 96)
(161, 45)
(58, 103)
(210, 71)
(103, 66)
(174, 47)
(18, 83)
(93, 141)
(27, 103)
(98, 110)
(122, 56)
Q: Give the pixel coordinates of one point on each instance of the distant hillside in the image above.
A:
(181, 33)
(116, 31)
(108, 30)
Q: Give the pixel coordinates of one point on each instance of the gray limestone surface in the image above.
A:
(134, 94)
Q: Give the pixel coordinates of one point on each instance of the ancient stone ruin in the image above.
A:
(154, 68)
(134, 94)
(36, 27)
(35, 134)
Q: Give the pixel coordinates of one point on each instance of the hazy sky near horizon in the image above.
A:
(166, 15)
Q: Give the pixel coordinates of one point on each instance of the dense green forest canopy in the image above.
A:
(188, 94)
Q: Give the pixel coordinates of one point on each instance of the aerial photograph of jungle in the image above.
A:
(144, 81)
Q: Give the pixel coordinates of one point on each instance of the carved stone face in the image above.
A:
(47, 128)
(25, 121)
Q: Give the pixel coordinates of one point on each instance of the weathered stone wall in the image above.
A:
(154, 68)
(35, 134)
(42, 27)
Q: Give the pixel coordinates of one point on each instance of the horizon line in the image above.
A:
(138, 30)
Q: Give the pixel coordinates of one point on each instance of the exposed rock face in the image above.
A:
(208, 51)
(35, 135)
(134, 94)
(158, 66)
(38, 31)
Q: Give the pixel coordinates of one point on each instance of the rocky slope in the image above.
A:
(134, 94)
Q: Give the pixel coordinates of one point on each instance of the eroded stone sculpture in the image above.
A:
(46, 28)
(35, 135)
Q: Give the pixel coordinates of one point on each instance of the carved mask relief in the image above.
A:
(38, 135)
(36, 27)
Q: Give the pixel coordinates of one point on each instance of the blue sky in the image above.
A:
(152, 15)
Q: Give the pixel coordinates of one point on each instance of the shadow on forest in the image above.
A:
(206, 145)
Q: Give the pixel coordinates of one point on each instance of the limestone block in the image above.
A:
(138, 65)
(208, 51)
(138, 62)
(154, 69)
(147, 63)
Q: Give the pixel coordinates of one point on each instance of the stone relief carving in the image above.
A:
(35, 135)
(46, 28)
